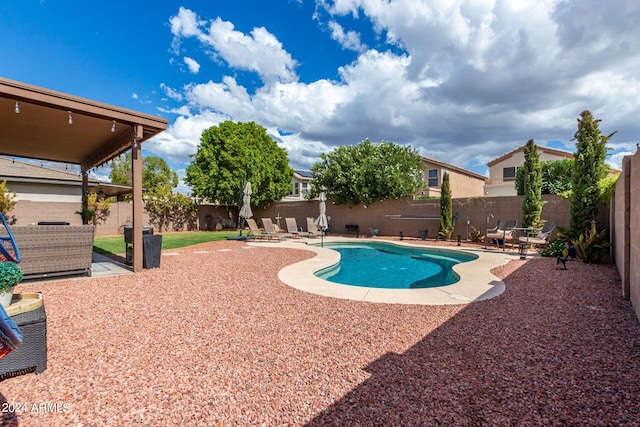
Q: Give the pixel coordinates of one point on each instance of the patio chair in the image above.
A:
(293, 229)
(503, 232)
(541, 240)
(270, 228)
(257, 234)
(312, 228)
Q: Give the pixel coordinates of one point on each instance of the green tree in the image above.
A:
(157, 176)
(556, 176)
(446, 209)
(531, 202)
(7, 202)
(231, 154)
(366, 172)
(588, 169)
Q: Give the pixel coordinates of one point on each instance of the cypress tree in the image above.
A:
(588, 169)
(446, 209)
(532, 185)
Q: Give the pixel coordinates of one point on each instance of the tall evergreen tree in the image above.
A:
(446, 209)
(531, 203)
(588, 169)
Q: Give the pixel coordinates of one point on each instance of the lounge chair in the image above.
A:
(503, 232)
(292, 228)
(312, 228)
(270, 228)
(541, 240)
(257, 234)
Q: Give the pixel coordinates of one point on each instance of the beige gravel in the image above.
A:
(214, 338)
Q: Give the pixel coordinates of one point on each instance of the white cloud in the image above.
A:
(348, 40)
(171, 93)
(463, 80)
(260, 51)
(192, 64)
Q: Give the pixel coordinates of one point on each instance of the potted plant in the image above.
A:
(10, 276)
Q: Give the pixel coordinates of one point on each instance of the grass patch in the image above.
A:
(115, 244)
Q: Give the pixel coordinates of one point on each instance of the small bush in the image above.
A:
(554, 249)
(476, 235)
(592, 246)
(10, 275)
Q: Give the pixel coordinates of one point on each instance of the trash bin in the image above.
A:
(128, 240)
(151, 250)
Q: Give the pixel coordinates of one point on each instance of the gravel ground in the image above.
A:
(214, 338)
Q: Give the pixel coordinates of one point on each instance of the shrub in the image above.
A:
(476, 235)
(592, 246)
(554, 249)
(10, 275)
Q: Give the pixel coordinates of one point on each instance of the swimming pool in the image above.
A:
(384, 265)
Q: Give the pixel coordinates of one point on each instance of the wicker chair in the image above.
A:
(503, 232)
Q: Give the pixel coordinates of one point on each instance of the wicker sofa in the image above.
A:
(54, 250)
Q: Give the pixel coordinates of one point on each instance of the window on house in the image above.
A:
(296, 188)
(509, 174)
(432, 180)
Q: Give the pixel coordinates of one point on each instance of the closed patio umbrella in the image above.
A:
(245, 210)
(321, 222)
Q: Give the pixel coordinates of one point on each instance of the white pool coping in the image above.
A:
(476, 281)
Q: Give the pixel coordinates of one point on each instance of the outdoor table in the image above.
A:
(27, 311)
(526, 231)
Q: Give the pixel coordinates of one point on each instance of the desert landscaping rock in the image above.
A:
(214, 338)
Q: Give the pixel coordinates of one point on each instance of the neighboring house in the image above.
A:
(464, 183)
(502, 171)
(47, 194)
(35, 183)
(300, 184)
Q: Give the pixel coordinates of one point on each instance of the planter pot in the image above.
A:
(5, 297)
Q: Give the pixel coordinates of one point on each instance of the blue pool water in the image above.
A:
(384, 265)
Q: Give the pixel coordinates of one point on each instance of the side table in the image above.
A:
(27, 310)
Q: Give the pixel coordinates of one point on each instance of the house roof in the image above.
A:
(448, 166)
(303, 173)
(548, 150)
(24, 172)
(39, 123)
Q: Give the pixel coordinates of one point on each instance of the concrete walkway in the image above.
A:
(476, 281)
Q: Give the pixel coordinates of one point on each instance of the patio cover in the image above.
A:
(60, 127)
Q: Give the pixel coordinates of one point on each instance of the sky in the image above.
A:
(461, 81)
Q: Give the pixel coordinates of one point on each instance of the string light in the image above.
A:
(113, 127)
(17, 108)
(70, 118)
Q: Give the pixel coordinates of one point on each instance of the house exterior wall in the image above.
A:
(462, 184)
(497, 186)
(299, 185)
(45, 193)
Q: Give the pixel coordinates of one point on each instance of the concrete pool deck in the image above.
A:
(476, 281)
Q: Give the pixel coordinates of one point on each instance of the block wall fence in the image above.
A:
(625, 226)
(469, 213)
